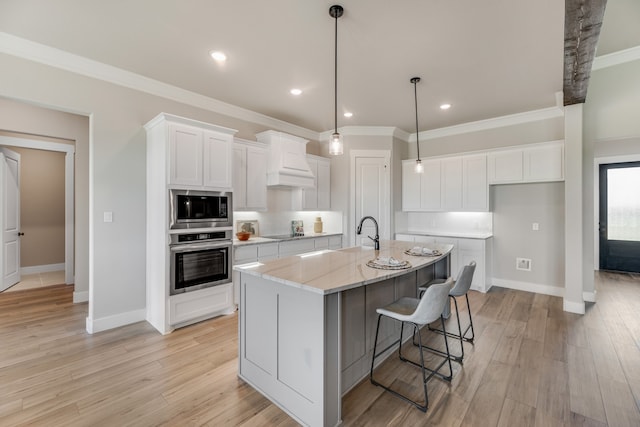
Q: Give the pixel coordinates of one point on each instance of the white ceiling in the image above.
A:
(488, 58)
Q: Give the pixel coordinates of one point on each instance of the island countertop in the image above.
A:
(330, 271)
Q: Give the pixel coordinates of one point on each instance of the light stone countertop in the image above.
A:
(330, 271)
(283, 238)
(482, 235)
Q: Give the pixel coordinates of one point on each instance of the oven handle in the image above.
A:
(190, 247)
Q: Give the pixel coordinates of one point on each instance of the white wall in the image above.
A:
(116, 176)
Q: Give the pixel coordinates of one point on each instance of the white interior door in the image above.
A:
(10, 213)
(372, 183)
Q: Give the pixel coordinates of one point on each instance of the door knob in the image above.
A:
(20, 234)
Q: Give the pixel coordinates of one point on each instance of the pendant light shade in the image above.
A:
(336, 146)
(419, 168)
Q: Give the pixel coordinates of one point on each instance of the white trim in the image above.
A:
(53, 57)
(589, 296)
(597, 161)
(115, 321)
(47, 268)
(368, 131)
(81, 296)
(573, 307)
(495, 122)
(616, 58)
(69, 193)
(556, 291)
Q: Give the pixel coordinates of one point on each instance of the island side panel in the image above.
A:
(359, 319)
(283, 349)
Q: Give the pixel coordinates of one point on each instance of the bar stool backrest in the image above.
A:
(432, 303)
(464, 280)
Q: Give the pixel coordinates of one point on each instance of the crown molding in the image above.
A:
(57, 58)
(493, 123)
(616, 58)
(389, 131)
(36, 52)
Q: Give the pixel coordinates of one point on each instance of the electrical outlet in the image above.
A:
(535, 226)
(523, 264)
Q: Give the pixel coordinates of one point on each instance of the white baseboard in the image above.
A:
(556, 291)
(80, 296)
(589, 296)
(573, 307)
(42, 268)
(115, 321)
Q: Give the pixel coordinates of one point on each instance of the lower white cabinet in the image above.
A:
(191, 307)
(245, 254)
(464, 251)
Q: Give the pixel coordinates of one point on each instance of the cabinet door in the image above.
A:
(256, 178)
(505, 166)
(405, 237)
(410, 187)
(453, 256)
(475, 189)
(186, 156)
(323, 185)
(217, 155)
(473, 250)
(431, 186)
(310, 194)
(239, 177)
(451, 184)
(544, 163)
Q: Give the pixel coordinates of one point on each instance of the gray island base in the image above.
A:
(307, 323)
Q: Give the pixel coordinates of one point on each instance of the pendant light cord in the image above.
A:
(335, 78)
(415, 81)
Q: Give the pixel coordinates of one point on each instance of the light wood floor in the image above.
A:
(532, 365)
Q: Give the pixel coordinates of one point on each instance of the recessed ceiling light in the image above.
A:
(295, 92)
(348, 114)
(445, 106)
(218, 56)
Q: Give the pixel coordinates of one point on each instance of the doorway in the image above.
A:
(68, 150)
(619, 216)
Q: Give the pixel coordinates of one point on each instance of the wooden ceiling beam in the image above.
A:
(582, 22)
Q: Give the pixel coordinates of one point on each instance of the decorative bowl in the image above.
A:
(243, 235)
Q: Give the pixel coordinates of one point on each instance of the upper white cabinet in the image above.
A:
(529, 163)
(318, 197)
(456, 183)
(200, 154)
(249, 176)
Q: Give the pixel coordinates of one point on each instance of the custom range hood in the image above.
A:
(286, 160)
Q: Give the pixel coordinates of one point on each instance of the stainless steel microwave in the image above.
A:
(200, 209)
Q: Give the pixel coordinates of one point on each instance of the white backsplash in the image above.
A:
(275, 223)
(450, 221)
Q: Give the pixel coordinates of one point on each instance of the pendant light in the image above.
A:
(418, 167)
(336, 146)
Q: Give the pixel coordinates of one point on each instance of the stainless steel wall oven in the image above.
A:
(200, 260)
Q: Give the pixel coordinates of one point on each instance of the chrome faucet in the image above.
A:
(376, 240)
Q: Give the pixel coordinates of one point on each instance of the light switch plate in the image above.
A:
(108, 217)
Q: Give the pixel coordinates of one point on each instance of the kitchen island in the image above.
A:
(307, 322)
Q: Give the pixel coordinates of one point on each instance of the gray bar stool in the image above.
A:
(460, 288)
(417, 312)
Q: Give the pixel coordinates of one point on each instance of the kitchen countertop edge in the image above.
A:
(453, 234)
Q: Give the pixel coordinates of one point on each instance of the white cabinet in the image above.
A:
(464, 251)
(187, 154)
(475, 187)
(318, 197)
(450, 184)
(200, 157)
(249, 176)
(294, 247)
(529, 163)
(421, 191)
